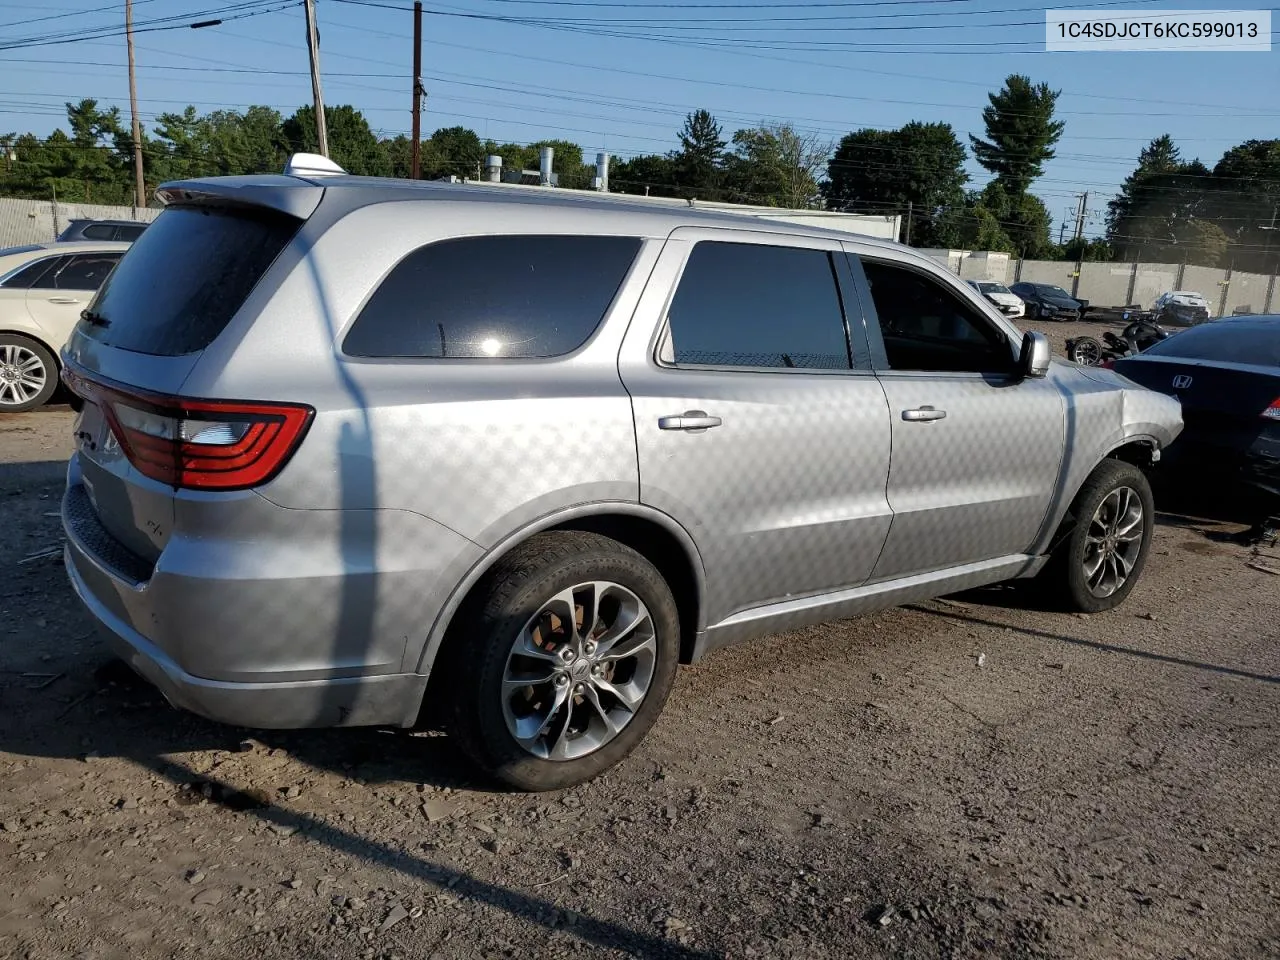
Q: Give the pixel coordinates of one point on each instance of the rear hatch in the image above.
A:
(176, 290)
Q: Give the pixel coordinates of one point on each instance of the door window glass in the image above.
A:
(757, 305)
(925, 326)
(86, 272)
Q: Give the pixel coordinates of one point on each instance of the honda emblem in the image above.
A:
(1181, 382)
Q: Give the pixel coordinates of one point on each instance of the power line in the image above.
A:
(239, 11)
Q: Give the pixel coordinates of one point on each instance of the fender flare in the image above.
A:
(1048, 537)
(436, 635)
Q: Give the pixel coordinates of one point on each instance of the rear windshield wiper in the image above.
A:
(97, 319)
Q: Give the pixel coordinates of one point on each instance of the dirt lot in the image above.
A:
(956, 779)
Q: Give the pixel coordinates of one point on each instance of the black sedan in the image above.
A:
(1047, 301)
(1226, 374)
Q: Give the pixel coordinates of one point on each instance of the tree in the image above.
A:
(776, 166)
(1021, 132)
(920, 165)
(451, 151)
(1151, 218)
(352, 145)
(1090, 251)
(1244, 200)
(697, 164)
(647, 174)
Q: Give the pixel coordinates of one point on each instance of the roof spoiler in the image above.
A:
(272, 191)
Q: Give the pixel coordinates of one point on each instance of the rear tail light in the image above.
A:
(1108, 364)
(198, 444)
(1273, 412)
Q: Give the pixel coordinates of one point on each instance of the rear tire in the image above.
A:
(28, 373)
(1098, 564)
(594, 688)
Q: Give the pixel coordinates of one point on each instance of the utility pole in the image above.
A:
(140, 187)
(1081, 207)
(417, 89)
(313, 48)
(1079, 236)
(907, 240)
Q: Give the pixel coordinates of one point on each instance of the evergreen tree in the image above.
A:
(1021, 133)
(698, 162)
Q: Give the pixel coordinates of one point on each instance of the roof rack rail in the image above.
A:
(311, 165)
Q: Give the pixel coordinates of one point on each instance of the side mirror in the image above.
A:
(1033, 362)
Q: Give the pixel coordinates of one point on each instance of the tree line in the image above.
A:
(1168, 208)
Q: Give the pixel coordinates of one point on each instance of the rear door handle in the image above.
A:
(689, 420)
(63, 300)
(924, 413)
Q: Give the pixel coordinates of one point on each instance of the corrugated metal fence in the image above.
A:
(32, 221)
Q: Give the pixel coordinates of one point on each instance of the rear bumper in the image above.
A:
(266, 617)
(392, 700)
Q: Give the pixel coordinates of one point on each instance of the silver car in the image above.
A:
(354, 451)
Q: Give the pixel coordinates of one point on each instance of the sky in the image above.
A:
(620, 77)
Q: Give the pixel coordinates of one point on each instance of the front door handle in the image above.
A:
(63, 300)
(924, 413)
(689, 420)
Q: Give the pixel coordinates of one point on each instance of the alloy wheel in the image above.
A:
(1113, 541)
(579, 670)
(22, 375)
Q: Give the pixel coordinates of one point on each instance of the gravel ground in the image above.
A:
(959, 778)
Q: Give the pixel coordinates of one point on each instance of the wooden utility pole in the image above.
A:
(417, 89)
(313, 48)
(140, 186)
(1080, 212)
(907, 238)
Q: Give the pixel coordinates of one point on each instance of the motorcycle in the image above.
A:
(1140, 332)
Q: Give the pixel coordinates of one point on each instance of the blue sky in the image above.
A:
(829, 67)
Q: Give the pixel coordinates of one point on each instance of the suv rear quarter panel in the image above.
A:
(402, 434)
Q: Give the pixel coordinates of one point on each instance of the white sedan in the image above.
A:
(1005, 300)
(43, 288)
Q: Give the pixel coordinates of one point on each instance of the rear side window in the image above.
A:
(1255, 345)
(129, 233)
(519, 297)
(99, 231)
(757, 305)
(31, 274)
(85, 272)
(185, 277)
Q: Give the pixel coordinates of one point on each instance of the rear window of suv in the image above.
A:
(185, 277)
(503, 297)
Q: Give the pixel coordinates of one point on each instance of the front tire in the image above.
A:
(28, 374)
(563, 662)
(1098, 564)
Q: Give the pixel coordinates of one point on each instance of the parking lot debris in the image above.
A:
(883, 915)
(982, 660)
(436, 810)
(397, 914)
(208, 897)
(194, 876)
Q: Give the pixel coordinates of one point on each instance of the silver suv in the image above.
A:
(349, 449)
